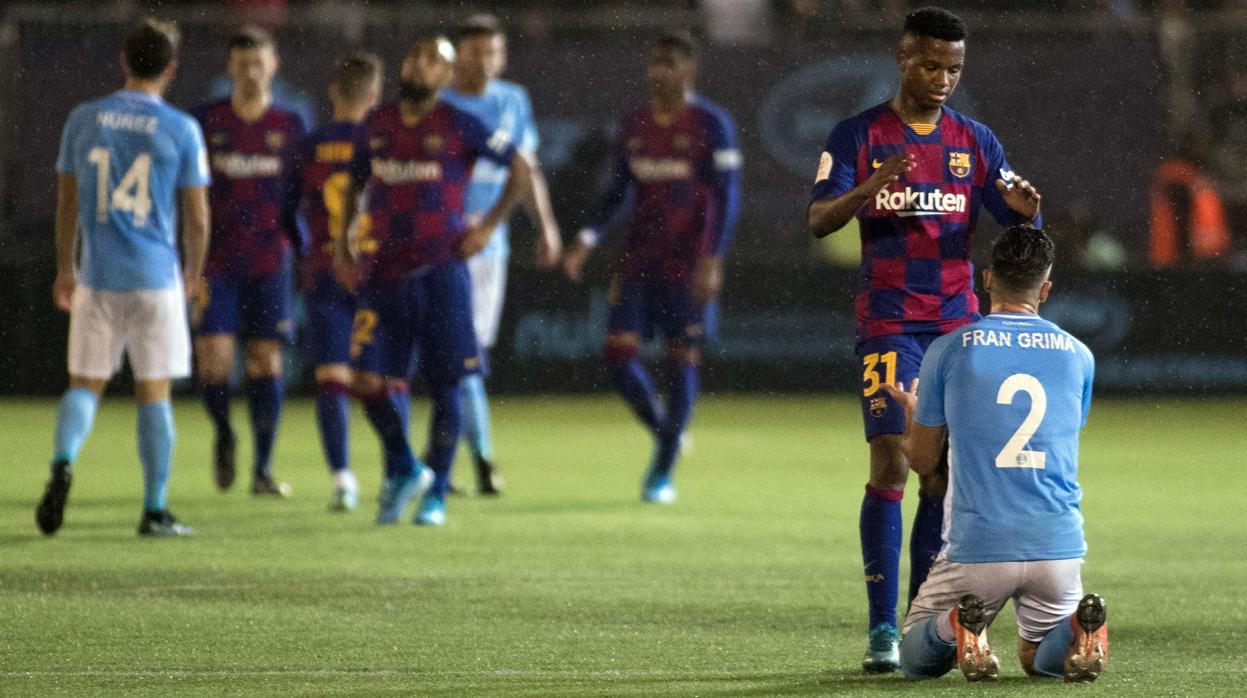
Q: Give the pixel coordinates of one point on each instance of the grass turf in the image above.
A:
(749, 585)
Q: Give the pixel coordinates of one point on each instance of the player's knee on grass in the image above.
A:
(924, 655)
(621, 348)
(888, 468)
(685, 354)
(214, 358)
(1026, 656)
(263, 358)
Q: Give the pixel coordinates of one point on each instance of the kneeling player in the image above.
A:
(416, 158)
(1012, 391)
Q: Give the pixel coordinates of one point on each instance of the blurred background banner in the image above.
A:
(1126, 116)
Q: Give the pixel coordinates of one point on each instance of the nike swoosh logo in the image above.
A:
(876, 164)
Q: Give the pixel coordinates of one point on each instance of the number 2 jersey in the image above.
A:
(917, 233)
(417, 175)
(1014, 391)
(130, 152)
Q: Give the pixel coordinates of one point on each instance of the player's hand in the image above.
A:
(574, 261)
(707, 279)
(549, 247)
(63, 291)
(347, 272)
(1021, 196)
(908, 400)
(474, 240)
(890, 171)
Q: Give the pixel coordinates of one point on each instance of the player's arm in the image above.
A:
(292, 220)
(723, 172)
(518, 178)
(346, 268)
(1009, 198)
(537, 206)
(923, 445)
(66, 239)
(196, 228)
(831, 212)
(616, 202)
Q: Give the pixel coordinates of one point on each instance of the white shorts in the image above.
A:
(489, 288)
(1044, 592)
(149, 326)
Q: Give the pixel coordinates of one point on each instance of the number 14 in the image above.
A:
(131, 195)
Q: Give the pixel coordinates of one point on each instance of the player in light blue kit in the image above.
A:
(125, 161)
(504, 108)
(1012, 391)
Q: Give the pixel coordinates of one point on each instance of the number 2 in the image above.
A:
(1013, 454)
(132, 194)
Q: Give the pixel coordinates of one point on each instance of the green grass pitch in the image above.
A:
(567, 586)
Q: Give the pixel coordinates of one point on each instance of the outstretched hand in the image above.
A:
(907, 399)
(890, 171)
(1020, 195)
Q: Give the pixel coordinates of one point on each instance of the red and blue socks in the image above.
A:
(682, 389)
(445, 425)
(634, 385)
(925, 539)
(264, 398)
(383, 411)
(216, 397)
(333, 417)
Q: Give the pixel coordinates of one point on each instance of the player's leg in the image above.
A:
(330, 314)
(214, 319)
(381, 348)
(488, 272)
(448, 353)
(266, 325)
(1061, 631)
(626, 325)
(159, 348)
(925, 538)
(96, 344)
(947, 623)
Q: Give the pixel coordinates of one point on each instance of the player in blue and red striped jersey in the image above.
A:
(325, 176)
(252, 147)
(915, 174)
(416, 158)
(677, 171)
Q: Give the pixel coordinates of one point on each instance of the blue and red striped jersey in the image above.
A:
(917, 233)
(681, 183)
(326, 180)
(417, 175)
(254, 194)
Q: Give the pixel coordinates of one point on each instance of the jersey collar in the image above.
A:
(140, 96)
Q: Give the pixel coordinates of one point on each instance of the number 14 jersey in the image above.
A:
(130, 152)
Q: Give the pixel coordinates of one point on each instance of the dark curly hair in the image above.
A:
(151, 47)
(935, 22)
(1022, 257)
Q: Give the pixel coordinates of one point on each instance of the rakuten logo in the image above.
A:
(918, 203)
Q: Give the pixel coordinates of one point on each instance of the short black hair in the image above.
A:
(1022, 257)
(679, 40)
(151, 47)
(250, 36)
(476, 26)
(935, 22)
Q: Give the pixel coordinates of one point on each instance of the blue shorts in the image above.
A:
(432, 311)
(889, 359)
(647, 308)
(256, 307)
(330, 318)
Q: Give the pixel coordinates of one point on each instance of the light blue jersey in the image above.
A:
(130, 152)
(1014, 391)
(504, 109)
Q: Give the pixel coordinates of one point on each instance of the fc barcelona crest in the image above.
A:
(218, 139)
(680, 142)
(635, 143)
(959, 164)
(275, 140)
(434, 143)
